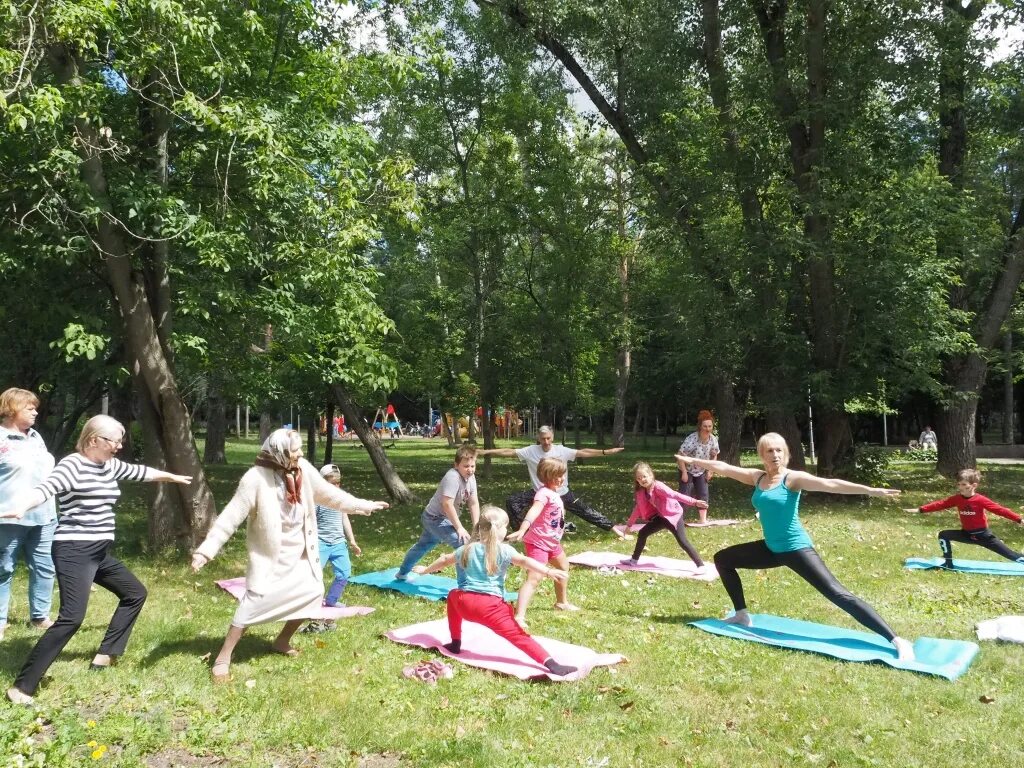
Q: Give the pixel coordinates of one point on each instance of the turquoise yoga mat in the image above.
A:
(429, 586)
(945, 658)
(987, 567)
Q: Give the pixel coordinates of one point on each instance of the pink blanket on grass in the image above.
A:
(236, 588)
(484, 649)
(663, 566)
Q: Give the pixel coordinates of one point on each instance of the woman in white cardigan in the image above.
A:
(283, 580)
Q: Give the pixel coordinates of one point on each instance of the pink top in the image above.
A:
(660, 500)
(546, 531)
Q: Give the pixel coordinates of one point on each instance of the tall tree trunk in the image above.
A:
(267, 422)
(394, 484)
(624, 349)
(329, 445)
(964, 375)
(142, 342)
(312, 427)
(781, 419)
(216, 423)
(1008, 388)
(728, 416)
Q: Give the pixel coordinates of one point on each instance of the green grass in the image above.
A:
(685, 697)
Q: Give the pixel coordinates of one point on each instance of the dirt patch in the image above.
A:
(384, 760)
(180, 758)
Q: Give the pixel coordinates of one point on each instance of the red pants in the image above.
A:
(495, 614)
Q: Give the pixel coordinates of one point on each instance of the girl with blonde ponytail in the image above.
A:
(480, 568)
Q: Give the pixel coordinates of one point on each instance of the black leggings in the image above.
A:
(80, 564)
(659, 523)
(518, 504)
(807, 564)
(983, 538)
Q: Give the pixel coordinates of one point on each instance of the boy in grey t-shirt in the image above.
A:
(441, 517)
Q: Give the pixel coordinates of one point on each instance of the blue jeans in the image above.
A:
(336, 555)
(435, 531)
(33, 542)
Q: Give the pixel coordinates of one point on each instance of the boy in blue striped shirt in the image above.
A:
(334, 532)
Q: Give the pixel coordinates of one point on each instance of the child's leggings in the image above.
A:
(495, 614)
(983, 538)
(659, 523)
(807, 564)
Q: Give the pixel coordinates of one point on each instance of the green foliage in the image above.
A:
(869, 465)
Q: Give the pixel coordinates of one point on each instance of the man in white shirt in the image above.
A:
(518, 503)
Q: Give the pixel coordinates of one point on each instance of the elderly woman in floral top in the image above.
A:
(702, 444)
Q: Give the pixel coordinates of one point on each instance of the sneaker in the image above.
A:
(401, 576)
(43, 623)
(314, 627)
(629, 561)
(570, 527)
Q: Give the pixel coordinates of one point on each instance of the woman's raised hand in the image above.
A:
(198, 561)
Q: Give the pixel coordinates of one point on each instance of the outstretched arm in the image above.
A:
(593, 453)
(23, 502)
(532, 514)
(505, 453)
(802, 481)
(742, 474)
(537, 567)
(438, 565)
(159, 476)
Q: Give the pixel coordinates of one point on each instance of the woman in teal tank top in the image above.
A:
(776, 498)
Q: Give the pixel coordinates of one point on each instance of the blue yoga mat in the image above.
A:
(429, 585)
(945, 658)
(988, 567)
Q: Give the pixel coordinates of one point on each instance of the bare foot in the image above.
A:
(741, 617)
(221, 672)
(701, 569)
(904, 649)
(566, 607)
(289, 651)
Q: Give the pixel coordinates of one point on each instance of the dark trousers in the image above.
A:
(79, 564)
(807, 564)
(659, 523)
(696, 486)
(983, 538)
(518, 504)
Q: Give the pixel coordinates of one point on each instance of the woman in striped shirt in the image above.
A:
(86, 485)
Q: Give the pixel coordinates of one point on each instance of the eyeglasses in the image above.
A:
(113, 443)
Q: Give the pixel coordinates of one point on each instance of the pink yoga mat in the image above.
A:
(663, 566)
(621, 529)
(236, 588)
(484, 649)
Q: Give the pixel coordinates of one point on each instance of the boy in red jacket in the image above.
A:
(974, 522)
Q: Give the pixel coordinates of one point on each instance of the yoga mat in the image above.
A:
(484, 649)
(236, 588)
(662, 566)
(429, 586)
(945, 658)
(987, 567)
